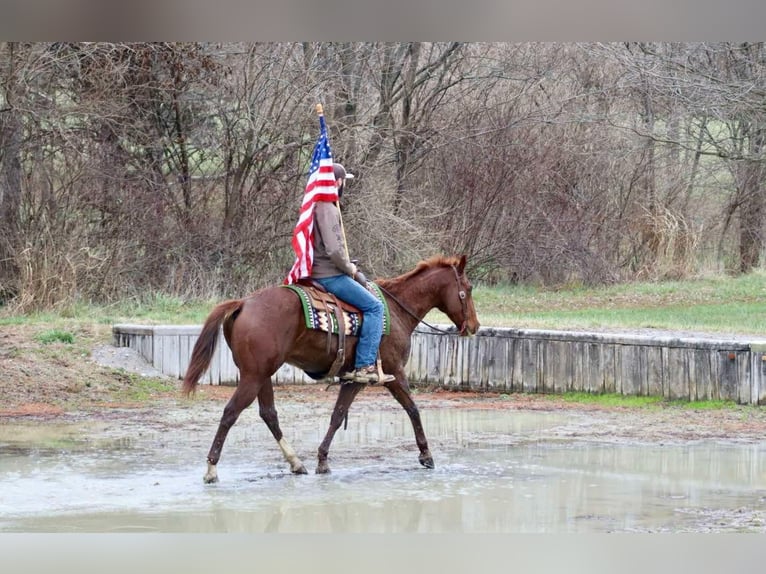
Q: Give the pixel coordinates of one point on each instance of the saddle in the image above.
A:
(323, 311)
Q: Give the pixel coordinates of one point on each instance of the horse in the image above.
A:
(266, 329)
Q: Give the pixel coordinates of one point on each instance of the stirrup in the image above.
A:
(368, 375)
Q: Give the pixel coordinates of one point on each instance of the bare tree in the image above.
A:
(11, 55)
(128, 168)
(717, 90)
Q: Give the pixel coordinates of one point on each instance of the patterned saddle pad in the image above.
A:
(314, 303)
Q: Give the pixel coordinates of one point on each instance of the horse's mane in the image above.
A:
(423, 266)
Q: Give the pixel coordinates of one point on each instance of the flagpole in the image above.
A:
(320, 113)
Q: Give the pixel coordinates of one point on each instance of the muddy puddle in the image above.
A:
(496, 472)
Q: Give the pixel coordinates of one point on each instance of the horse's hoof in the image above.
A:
(211, 475)
(426, 461)
(300, 470)
(323, 468)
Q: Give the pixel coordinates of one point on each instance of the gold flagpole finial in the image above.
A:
(320, 111)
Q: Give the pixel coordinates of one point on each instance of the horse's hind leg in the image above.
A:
(243, 396)
(346, 396)
(268, 413)
(400, 391)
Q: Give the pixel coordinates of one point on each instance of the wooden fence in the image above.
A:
(698, 367)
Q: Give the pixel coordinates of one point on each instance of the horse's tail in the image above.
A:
(206, 343)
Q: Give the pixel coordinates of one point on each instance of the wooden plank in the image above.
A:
(618, 373)
(678, 374)
(469, 375)
(157, 353)
(728, 375)
(578, 355)
(629, 360)
(170, 355)
(745, 390)
(185, 346)
(485, 362)
(436, 352)
(413, 368)
(473, 347)
(463, 373)
(641, 370)
(461, 378)
(653, 369)
(593, 369)
(494, 360)
(715, 374)
(517, 375)
(643, 366)
(758, 370)
(560, 368)
(529, 366)
(546, 361)
(287, 374)
(538, 367)
(438, 360)
(509, 372)
(692, 373)
(147, 347)
(609, 367)
(451, 376)
(703, 379)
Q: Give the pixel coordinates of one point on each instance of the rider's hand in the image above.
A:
(361, 279)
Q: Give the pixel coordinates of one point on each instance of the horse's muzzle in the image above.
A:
(468, 330)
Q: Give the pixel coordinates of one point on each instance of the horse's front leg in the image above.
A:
(346, 396)
(401, 392)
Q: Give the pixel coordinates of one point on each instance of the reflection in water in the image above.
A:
(496, 472)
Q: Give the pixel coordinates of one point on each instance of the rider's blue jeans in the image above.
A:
(347, 289)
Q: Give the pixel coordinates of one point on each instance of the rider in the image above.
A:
(338, 275)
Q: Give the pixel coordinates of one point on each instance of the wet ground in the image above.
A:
(498, 470)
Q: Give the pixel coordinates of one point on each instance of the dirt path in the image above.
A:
(60, 380)
(663, 424)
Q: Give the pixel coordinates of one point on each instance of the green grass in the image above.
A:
(615, 400)
(160, 309)
(714, 304)
(154, 309)
(712, 405)
(143, 388)
(608, 400)
(55, 336)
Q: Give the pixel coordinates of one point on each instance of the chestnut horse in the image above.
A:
(267, 329)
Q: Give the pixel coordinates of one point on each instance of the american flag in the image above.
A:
(320, 187)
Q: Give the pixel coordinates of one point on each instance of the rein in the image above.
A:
(461, 294)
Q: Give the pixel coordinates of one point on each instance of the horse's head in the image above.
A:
(457, 302)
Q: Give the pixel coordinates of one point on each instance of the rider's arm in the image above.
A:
(327, 219)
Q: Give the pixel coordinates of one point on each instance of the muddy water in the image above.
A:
(496, 472)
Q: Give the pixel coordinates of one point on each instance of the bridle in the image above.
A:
(460, 293)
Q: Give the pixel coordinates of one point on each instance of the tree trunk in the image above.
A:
(751, 236)
(10, 177)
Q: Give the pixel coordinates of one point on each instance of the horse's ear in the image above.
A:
(461, 265)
